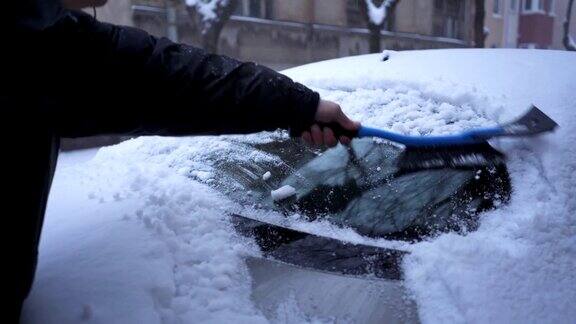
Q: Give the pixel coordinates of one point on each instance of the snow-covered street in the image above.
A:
(134, 233)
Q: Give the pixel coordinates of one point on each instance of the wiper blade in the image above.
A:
(319, 252)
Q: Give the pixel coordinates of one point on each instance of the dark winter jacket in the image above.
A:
(64, 74)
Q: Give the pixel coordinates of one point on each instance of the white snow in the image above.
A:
(378, 14)
(128, 239)
(266, 175)
(206, 8)
(283, 192)
(136, 234)
(520, 265)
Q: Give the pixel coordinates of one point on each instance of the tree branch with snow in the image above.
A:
(211, 15)
(377, 15)
(567, 39)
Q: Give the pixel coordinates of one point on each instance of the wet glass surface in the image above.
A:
(361, 187)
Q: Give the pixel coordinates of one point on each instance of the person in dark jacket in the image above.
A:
(64, 74)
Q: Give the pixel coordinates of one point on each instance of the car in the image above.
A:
(261, 227)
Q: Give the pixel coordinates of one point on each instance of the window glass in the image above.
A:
(255, 8)
(551, 7)
(534, 5)
(496, 7)
(447, 19)
(361, 187)
(353, 14)
(513, 5)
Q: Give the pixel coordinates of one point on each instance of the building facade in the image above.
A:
(283, 33)
(527, 23)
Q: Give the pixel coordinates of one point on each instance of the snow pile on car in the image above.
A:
(519, 266)
(130, 239)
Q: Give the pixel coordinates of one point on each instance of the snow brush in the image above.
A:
(464, 150)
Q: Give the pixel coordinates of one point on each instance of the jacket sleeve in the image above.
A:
(121, 80)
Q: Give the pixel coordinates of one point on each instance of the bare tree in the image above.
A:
(378, 15)
(567, 40)
(211, 15)
(479, 30)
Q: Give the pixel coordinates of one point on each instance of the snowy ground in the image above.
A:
(128, 238)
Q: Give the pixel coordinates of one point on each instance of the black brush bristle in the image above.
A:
(467, 156)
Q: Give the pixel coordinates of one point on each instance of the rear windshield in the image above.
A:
(360, 187)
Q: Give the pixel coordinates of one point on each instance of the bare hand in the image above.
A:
(329, 112)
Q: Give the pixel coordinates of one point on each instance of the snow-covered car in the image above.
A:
(189, 230)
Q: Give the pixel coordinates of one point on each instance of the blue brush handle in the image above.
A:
(468, 137)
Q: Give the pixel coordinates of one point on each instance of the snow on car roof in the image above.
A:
(519, 265)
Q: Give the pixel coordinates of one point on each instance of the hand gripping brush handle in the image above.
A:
(465, 149)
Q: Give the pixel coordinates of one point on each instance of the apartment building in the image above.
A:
(288, 33)
(526, 23)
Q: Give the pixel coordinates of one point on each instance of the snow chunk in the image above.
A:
(282, 192)
(266, 175)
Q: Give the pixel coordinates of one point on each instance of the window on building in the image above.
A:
(533, 5)
(255, 8)
(448, 17)
(353, 14)
(496, 7)
(551, 7)
(451, 27)
(513, 6)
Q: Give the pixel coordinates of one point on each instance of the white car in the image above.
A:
(186, 230)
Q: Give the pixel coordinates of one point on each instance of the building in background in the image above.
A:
(501, 23)
(283, 33)
(526, 23)
(287, 33)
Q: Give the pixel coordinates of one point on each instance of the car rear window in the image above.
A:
(361, 187)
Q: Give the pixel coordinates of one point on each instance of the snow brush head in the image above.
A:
(469, 156)
(432, 153)
(465, 150)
